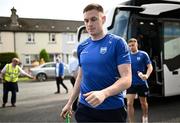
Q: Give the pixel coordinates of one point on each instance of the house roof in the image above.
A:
(39, 25)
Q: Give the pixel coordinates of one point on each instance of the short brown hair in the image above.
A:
(132, 40)
(93, 6)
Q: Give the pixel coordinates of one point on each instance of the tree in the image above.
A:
(44, 55)
(6, 58)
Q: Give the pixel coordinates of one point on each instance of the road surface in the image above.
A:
(36, 102)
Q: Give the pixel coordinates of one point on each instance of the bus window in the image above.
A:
(120, 24)
(172, 45)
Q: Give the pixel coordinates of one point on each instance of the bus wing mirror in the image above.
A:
(79, 32)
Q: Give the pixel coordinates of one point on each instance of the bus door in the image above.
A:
(171, 65)
(147, 33)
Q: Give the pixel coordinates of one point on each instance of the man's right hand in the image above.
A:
(142, 76)
(65, 111)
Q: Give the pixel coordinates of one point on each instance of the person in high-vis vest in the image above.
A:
(10, 74)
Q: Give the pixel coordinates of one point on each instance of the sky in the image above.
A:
(51, 9)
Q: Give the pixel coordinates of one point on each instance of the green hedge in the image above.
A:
(6, 58)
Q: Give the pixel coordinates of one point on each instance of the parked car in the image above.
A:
(47, 70)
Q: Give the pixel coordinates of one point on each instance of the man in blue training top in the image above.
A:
(73, 69)
(104, 73)
(141, 70)
(59, 70)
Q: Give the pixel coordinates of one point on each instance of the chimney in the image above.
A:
(14, 18)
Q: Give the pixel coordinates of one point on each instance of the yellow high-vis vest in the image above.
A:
(12, 73)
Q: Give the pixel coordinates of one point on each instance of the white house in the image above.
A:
(28, 36)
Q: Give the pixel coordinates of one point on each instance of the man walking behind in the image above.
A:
(141, 70)
(73, 69)
(59, 70)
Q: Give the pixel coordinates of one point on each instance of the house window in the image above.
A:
(70, 37)
(52, 38)
(30, 37)
(27, 59)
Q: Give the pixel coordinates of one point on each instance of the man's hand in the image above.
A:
(32, 77)
(95, 98)
(142, 76)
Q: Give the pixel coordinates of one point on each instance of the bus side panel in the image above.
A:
(171, 82)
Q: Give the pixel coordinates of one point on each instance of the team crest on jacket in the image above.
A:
(103, 50)
(138, 58)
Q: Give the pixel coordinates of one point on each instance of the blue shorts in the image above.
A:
(140, 90)
(86, 114)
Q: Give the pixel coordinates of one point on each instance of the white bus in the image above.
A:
(156, 25)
